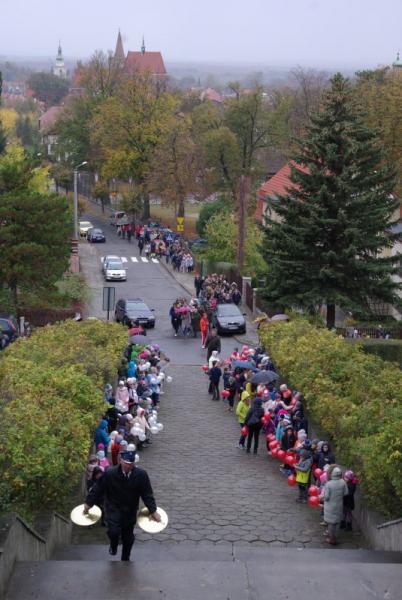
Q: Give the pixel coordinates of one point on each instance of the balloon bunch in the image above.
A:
(153, 423)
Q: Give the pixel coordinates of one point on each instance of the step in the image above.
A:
(190, 551)
(203, 580)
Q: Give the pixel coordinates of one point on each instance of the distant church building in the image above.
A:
(141, 62)
(59, 68)
(397, 66)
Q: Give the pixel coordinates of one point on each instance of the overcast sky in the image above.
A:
(322, 33)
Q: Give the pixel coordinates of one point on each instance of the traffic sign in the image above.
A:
(180, 220)
(180, 228)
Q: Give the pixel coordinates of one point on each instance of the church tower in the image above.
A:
(397, 66)
(59, 68)
(119, 52)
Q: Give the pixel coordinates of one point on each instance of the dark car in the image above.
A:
(197, 242)
(8, 327)
(96, 235)
(134, 310)
(227, 318)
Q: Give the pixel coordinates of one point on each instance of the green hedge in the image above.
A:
(390, 350)
(354, 397)
(51, 398)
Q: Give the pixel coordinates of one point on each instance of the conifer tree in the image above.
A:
(3, 137)
(328, 244)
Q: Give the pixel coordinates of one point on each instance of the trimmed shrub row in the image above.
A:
(355, 398)
(51, 395)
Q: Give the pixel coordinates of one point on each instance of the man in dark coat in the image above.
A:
(213, 342)
(121, 489)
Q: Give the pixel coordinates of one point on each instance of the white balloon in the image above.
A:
(169, 379)
(142, 437)
(152, 421)
(137, 458)
(154, 430)
(160, 426)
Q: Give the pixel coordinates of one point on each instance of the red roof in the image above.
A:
(211, 95)
(49, 118)
(275, 186)
(147, 61)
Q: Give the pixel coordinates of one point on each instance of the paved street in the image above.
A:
(212, 491)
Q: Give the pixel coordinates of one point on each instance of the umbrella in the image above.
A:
(138, 339)
(244, 364)
(280, 317)
(264, 377)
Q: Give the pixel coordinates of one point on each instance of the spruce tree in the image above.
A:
(3, 137)
(328, 244)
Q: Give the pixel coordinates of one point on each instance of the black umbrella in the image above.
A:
(139, 339)
(264, 377)
(244, 364)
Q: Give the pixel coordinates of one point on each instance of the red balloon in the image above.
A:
(314, 501)
(281, 455)
(273, 444)
(318, 473)
(244, 430)
(290, 460)
(205, 368)
(291, 480)
(313, 490)
(274, 452)
(270, 437)
(225, 393)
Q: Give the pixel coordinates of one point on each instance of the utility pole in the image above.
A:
(244, 190)
(75, 213)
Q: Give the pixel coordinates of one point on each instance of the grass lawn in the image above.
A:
(166, 215)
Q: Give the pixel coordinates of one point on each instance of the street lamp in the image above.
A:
(75, 217)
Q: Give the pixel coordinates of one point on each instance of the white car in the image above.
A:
(83, 227)
(110, 258)
(113, 270)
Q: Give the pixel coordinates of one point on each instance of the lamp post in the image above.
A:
(75, 217)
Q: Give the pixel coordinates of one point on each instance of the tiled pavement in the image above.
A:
(212, 491)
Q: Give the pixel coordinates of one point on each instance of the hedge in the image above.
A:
(51, 398)
(355, 398)
(390, 350)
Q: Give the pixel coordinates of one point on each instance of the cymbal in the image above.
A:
(146, 523)
(78, 518)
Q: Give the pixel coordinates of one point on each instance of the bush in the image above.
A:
(354, 397)
(390, 350)
(52, 396)
(208, 210)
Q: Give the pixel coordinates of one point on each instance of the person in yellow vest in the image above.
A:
(303, 470)
(241, 412)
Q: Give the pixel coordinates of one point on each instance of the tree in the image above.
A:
(101, 192)
(127, 127)
(222, 234)
(208, 210)
(3, 136)
(380, 92)
(62, 174)
(174, 166)
(35, 250)
(48, 88)
(334, 221)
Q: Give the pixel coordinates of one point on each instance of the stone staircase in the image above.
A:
(204, 571)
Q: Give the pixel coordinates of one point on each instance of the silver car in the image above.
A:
(113, 270)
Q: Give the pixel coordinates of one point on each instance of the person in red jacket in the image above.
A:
(204, 328)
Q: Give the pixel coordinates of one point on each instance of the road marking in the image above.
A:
(144, 259)
(154, 260)
(134, 259)
(123, 259)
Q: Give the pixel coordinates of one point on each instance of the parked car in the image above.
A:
(117, 216)
(227, 318)
(95, 235)
(110, 258)
(134, 310)
(83, 227)
(8, 327)
(113, 270)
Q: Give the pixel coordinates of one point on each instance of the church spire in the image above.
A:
(143, 46)
(119, 52)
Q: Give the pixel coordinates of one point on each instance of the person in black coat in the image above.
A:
(325, 456)
(213, 342)
(121, 488)
(254, 424)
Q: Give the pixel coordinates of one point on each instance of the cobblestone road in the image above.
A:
(212, 491)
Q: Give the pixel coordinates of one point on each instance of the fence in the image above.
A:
(367, 332)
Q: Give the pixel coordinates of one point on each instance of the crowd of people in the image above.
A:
(130, 420)
(262, 407)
